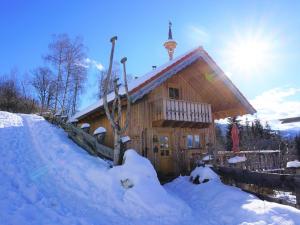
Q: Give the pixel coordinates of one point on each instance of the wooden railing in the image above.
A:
(180, 110)
(83, 139)
(258, 160)
(272, 181)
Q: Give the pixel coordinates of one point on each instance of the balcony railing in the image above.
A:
(181, 111)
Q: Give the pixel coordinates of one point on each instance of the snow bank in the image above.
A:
(10, 120)
(215, 203)
(294, 164)
(204, 173)
(47, 179)
(146, 194)
(99, 130)
(237, 159)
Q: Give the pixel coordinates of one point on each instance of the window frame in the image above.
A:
(172, 91)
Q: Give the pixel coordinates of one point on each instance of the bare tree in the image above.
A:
(57, 57)
(43, 84)
(114, 116)
(66, 56)
(79, 78)
(75, 54)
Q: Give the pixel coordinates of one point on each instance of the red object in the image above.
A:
(235, 138)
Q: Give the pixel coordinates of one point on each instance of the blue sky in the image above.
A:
(226, 29)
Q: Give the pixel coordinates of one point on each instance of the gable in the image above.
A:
(227, 99)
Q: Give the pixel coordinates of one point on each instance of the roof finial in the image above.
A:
(170, 44)
(170, 31)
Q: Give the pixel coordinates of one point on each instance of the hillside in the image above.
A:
(47, 179)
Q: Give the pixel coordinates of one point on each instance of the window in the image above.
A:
(196, 141)
(193, 141)
(190, 141)
(173, 93)
(164, 145)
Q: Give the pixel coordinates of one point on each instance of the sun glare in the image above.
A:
(249, 55)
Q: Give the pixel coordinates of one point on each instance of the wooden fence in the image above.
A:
(273, 181)
(83, 139)
(258, 160)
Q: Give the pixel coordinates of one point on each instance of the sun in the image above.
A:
(250, 54)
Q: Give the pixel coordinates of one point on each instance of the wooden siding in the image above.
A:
(198, 85)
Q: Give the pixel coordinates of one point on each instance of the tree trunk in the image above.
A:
(117, 147)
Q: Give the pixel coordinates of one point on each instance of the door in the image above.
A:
(166, 164)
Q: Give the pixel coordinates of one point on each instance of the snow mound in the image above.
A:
(293, 164)
(99, 130)
(204, 173)
(237, 159)
(10, 120)
(145, 191)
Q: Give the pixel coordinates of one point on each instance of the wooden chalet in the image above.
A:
(173, 110)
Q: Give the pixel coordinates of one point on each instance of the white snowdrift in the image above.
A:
(237, 159)
(204, 173)
(214, 203)
(294, 164)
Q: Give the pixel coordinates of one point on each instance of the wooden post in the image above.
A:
(297, 191)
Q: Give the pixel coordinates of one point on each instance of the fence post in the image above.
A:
(297, 191)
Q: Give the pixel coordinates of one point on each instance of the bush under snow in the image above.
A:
(203, 174)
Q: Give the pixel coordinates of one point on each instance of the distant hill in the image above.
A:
(290, 133)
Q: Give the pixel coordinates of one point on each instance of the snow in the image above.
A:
(125, 139)
(47, 179)
(237, 159)
(84, 125)
(204, 173)
(294, 164)
(213, 203)
(207, 158)
(99, 130)
(73, 120)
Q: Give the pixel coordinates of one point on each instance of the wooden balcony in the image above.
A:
(180, 113)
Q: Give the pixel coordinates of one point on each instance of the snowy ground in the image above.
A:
(46, 179)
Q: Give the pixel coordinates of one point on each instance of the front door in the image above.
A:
(166, 165)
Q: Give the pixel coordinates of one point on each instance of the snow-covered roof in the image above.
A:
(84, 125)
(99, 130)
(293, 164)
(143, 85)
